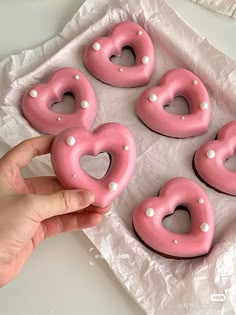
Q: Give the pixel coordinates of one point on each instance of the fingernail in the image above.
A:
(91, 196)
(86, 197)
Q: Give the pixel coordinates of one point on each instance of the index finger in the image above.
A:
(24, 152)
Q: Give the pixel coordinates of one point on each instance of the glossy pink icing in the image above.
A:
(123, 34)
(112, 138)
(212, 170)
(37, 109)
(177, 191)
(176, 82)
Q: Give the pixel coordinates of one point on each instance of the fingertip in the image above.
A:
(98, 209)
(94, 219)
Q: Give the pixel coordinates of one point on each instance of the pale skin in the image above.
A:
(33, 209)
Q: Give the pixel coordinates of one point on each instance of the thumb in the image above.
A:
(62, 202)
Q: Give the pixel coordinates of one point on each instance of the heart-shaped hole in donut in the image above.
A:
(230, 163)
(127, 57)
(178, 107)
(66, 105)
(178, 222)
(96, 166)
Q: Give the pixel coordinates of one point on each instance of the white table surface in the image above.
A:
(64, 275)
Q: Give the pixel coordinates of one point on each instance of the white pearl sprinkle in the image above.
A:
(204, 105)
(182, 117)
(84, 104)
(145, 59)
(77, 77)
(74, 175)
(175, 241)
(59, 118)
(113, 186)
(150, 212)
(126, 147)
(70, 140)
(140, 33)
(152, 97)
(33, 93)
(96, 46)
(121, 69)
(195, 82)
(204, 227)
(201, 200)
(211, 154)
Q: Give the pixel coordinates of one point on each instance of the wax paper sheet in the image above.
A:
(226, 7)
(205, 285)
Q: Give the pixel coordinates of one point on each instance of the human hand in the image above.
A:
(33, 209)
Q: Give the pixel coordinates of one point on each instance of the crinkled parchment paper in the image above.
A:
(159, 285)
(226, 7)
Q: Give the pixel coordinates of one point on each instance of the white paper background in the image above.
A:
(159, 285)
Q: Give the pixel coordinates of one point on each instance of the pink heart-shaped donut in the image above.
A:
(148, 217)
(113, 138)
(38, 100)
(210, 157)
(176, 82)
(97, 56)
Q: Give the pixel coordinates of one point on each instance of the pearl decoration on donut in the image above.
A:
(74, 175)
(211, 154)
(204, 227)
(33, 93)
(195, 82)
(150, 212)
(182, 117)
(121, 69)
(204, 105)
(201, 200)
(126, 147)
(140, 33)
(113, 186)
(84, 104)
(71, 141)
(152, 97)
(96, 46)
(175, 242)
(145, 60)
(77, 77)
(59, 118)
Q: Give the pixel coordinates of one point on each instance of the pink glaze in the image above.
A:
(112, 138)
(98, 53)
(177, 191)
(38, 100)
(176, 82)
(210, 157)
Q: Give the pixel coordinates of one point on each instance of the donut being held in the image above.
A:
(176, 82)
(149, 214)
(210, 157)
(99, 52)
(113, 138)
(37, 102)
